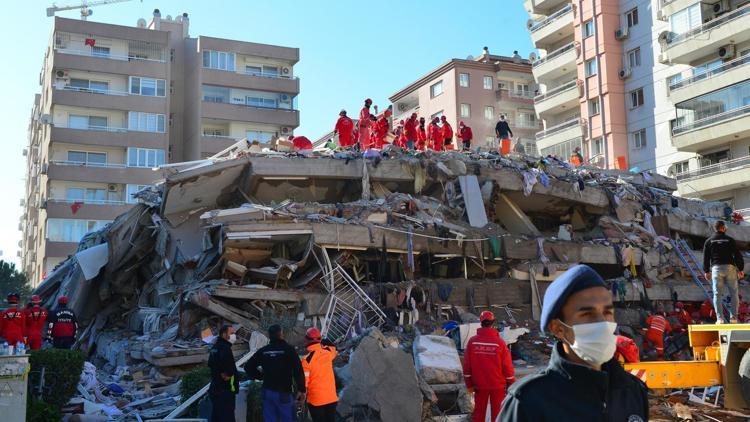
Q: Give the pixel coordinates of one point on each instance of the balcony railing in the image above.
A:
(559, 128)
(556, 90)
(95, 91)
(527, 125)
(735, 14)
(551, 18)
(711, 120)
(559, 52)
(209, 135)
(92, 53)
(526, 95)
(718, 168)
(709, 73)
(219, 100)
(86, 201)
(86, 164)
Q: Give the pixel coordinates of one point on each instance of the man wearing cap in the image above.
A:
(488, 368)
(345, 129)
(36, 318)
(320, 382)
(364, 123)
(447, 133)
(465, 134)
(410, 131)
(62, 325)
(583, 381)
(13, 321)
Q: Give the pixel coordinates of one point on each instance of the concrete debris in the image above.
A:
(437, 360)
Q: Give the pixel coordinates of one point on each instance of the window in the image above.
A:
(147, 86)
(632, 17)
(636, 98)
(591, 67)
(564, 149)
(489, 113)
(145, 122)
(254, 70)
(260, 136)
(463, 80)
(144, 157)
(215, 94)
(213, 132)
(436, 89)
(437, 115)
(686, 19)
(527, 119)
(594, 107)
(523, 90)
(261, 102)
(465, 110)
(487, 82)
(597, 147)
(89, 86)
(639, 139)
(131, 190)
(88, 195)
(703, 110)
(70, 230)
(100, 51)
(634, 57)
(218, 60)
(271, 71)
(681, 167)
(87, 122)
(588, 28)
(88, 158)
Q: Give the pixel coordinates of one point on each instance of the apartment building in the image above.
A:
(117, 101)
(476, 91)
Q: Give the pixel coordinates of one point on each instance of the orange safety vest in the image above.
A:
(319, 379)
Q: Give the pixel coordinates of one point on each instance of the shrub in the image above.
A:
(62, 372)
(39, 411)
(190, 384)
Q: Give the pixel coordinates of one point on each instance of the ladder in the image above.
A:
(350, 307)
(691, 264)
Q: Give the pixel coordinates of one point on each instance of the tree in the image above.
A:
(13, 281)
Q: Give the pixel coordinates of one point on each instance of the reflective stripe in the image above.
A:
(486, 344)
(467, 375)
(307, 374)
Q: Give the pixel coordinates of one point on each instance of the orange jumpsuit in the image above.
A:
(447, 132)
(320, 382)
(344, 127)
(436, 137)
(421, 138)
(626, 350)
(364, 126)
(36, 318)
(657, 327)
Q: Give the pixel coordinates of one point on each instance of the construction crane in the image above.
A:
(84, 7)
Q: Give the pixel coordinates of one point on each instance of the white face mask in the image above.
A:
(233, 338)
(595, 342)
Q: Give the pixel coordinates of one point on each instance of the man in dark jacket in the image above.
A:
(63, 325)
(583, 382)
(224, 383)
(502, 129)
(279, 367)
(723, 265)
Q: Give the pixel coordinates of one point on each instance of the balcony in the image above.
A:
(542, 7)
(109, 137)
(86, 209)
(523, 97)
(559, 133)
(712, 130)
(245, 113)
(67, 58)
(108, 100)
(251, 81)
(704, 40)
(669, 7)
(211, 144)
(556, 64)
(729, 73)
(558, 99)
(59, 249)
(715, 178)
(108, 173)
(554, 28)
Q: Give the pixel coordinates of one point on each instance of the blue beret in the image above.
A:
(574, 280)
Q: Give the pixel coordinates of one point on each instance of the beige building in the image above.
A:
(475, 91)
(117, 101)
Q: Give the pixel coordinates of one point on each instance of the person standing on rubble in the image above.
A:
(13, 321)
(410, 131)
(224, 382)
(345, 129)
(320, 382)
(583, 381)
(421, 135)
(447, 133)
(36, 319)
(723, 265)
(364, 124)
(63, 325)
(488, 368)
(465, 134)
(278, 365)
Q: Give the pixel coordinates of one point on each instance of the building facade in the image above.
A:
(117, 101)
(475, 91)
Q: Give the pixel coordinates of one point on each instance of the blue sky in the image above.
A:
(347, 53)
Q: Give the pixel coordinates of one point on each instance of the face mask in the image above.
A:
(233, 338)
(595, 342)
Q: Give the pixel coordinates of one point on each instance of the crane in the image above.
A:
(84, 6)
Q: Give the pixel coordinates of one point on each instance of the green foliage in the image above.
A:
(190, 384)
(39, 411)
(62, 372)
(13, 281)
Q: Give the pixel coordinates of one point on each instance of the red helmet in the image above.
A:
(36, 299)
(62, 300)
(461, 123)
(486, 316)
(414, 115)
(13, 298)
(313, 335)
(679, 305)
(443, 118)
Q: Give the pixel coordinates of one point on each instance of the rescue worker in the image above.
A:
(301, 143)
(583, 381)
(723, 265)
(502, 129)
(320, 382)
(224, 381)
(707, 311)
(345, 129)
(435, 136)
(400, 140)
(380, 131)
(63, 325)
(627, 351)
(36, 319)
(13, 321)
(576, 158)
(410, 131)
(683, 316)
(464, 133)
(488, 368)
(447, 132)
(364, 123)
(280, 367)
(658, 327)
(421, 135)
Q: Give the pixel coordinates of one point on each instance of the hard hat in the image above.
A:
(443, 118)
(36, 299)
(414, 115)
(312, 335)
(62, 300)
(290, 137)
(679, 305)
(486, 316)
(13, 298)
(461, 123)
(401, 122)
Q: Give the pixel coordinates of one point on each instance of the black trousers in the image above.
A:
(325, 413)
(63, 342)
(467, 144)
(222, 406)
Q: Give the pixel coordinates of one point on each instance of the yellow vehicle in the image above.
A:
(722, 358)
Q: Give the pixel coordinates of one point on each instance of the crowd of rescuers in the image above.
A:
(28, 327)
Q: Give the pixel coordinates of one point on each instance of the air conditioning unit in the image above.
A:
(624, 73)
(112, 188)
(622, 33)
(43, 170)
(721, 7)
(285, 98)
(285, 70)
(61, 73)
(726, 52)
(45, 119)
(285, 130)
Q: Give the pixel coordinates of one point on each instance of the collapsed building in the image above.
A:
(349, 243)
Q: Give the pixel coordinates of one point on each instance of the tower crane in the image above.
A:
(83, 6)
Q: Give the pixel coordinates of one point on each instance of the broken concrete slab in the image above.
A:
(436, 359)
(513, 218)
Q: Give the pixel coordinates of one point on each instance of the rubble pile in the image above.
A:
(353, 244)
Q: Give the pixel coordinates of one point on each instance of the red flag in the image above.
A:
(76, 206)
(90, 41)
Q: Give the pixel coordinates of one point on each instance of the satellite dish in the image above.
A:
(141, 23)
(469, 57)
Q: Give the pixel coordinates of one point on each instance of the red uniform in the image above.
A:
(345, 127)
(465, 134)
(447, 131)
(364, 126)
(436, 138)
(410, 129)
(421, 138)
(13, 325)
(36, 318)
(626, 350)
(380, 130)
(707, 311)
(301, 142)
(488, 369)
(657, 327)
